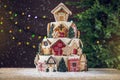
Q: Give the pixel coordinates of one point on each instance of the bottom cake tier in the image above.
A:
(51, 63)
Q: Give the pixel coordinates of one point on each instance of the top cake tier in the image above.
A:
(61, 28)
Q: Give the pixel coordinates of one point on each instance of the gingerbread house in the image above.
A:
(61, 12)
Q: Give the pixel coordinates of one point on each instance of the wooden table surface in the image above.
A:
(33, 74)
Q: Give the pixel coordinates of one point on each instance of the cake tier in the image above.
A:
(62, 29)
(53, 63)
(61, 46)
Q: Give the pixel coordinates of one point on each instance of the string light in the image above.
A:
(1, 30)
(34, 46)
(19, 43)
(16, 22)
(29, 15)
(23, 13)
(98, 42)
(45, 37)
(20, 30)
(15, 15)
(27, 43)
(28, 27)
(10, 12)
(33, 35)
(13, 37)
(39, 37)
(36, 17)
(44, 17)
(5, 6)
(1, 22)
(1, 18)
(10, 31)
(11, 18)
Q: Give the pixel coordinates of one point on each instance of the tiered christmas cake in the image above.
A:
(62, 49)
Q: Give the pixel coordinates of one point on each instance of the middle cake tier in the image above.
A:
(61, 46)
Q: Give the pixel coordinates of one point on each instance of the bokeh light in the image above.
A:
(16, 22)
(10, 31)
(1, 30)
(28, 27)
(34, 46)
(19, 43)
(13, 38)
(1, 22)
(44, 17)
(20, 30)
(27, 43)
(33, 35)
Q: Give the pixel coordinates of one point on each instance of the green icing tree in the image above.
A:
(99, 24)
(62, 66)
(71, 33)
(51, 31)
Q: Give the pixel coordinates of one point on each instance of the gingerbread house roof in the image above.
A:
(59, 7)
(54, 40)
(83, 58)
(73, 57)
(66, 24)
(76, 41)
(46, 40)
(57, 41)
(51, 60)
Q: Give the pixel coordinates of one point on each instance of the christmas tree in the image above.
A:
(99, 24)
(62, 66)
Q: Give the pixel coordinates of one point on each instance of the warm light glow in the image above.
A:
(1, 30)
(27, 43)
(10, 31)
(34, 46)
(39, 37)
(23, 13)
(5, 6)
(98, 42)
(20, 30)
(28, 27)
(1, 22)
(11, 18)
(13, 37)
(1, 18)
(44, 17)
(16, 22)
(19, 43)
(10, 12)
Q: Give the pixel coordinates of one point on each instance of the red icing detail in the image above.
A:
(61, 34)
(60, 44)
(57, 47)
(74, 51)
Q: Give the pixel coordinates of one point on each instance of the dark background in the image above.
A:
(23, 24)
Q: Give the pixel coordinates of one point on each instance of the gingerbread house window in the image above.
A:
(61, 15)
(74, 64)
